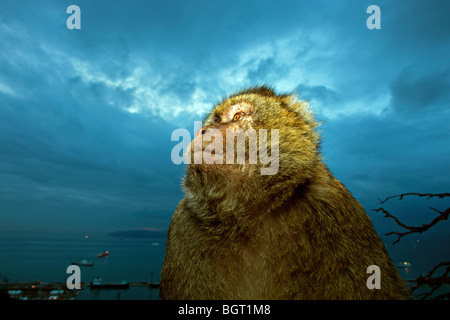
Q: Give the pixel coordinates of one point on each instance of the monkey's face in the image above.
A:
(254, 134)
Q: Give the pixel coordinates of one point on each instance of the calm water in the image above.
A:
(40, 259)
(135, 260)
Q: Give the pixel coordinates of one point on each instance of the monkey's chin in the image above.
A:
(226, 170)
(215, 162)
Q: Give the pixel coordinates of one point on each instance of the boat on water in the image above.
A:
(83, 262)
(103, 254)
(404, 264)
(98, 284)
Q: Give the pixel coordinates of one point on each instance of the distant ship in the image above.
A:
(404, 264)
(103, 254)
(83, 262)
(98, 284)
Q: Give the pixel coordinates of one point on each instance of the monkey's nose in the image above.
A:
(205, 128)
(201, 132)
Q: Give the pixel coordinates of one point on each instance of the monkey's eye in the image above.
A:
(237, 116)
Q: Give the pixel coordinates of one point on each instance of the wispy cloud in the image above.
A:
(86, 116)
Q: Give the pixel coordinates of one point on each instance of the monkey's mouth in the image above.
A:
(218, 155)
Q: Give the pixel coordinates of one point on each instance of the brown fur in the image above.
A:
(298, 234)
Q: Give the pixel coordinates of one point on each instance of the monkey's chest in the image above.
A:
(210, 268)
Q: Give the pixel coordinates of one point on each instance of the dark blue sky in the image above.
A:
(86, 115)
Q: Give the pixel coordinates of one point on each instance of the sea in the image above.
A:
(46, 258)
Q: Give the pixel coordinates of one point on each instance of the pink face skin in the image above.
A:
(214, 144)
(244, 119)
(242, 108)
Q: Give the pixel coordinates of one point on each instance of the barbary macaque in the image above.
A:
(292, 231)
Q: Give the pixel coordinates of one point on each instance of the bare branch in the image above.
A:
(388, 215)
(429, 195)
(427, 280)
(443, 215)
(433, 283)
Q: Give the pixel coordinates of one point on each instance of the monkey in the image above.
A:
(297, 233)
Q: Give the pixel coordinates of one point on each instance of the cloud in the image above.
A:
(265, 69)
(413, 91)
(321, 93)
(86, 116)
(7, 90)
(72, 157)
(381, 155)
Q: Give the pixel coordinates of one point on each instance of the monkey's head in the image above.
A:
(258, 139)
